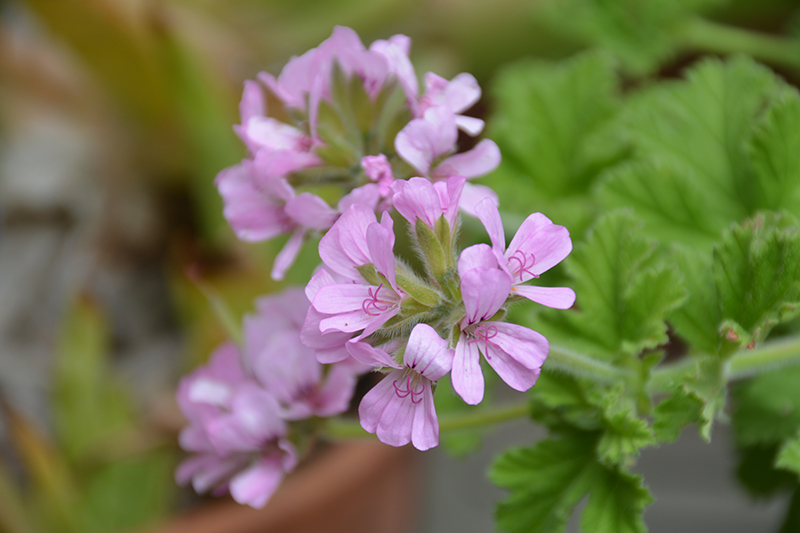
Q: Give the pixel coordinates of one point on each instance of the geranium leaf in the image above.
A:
(549, 479)
(623, 293)
(550, 126)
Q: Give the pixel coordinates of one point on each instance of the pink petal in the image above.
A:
(311, 211)
(423, 140)
(288, 254)
(328, 347)
(319, 279)
(345, 247)
(517, 353)
(379, 399)
(417, 199)
(462, 92)
(556, 297)
(467, 376)
(368, 195)
(272, 135)
(395, 51)
(482, 159)
(427, 353)
(252, 104)
(380, 241)
(425, 430)
(470, 125)
(255, 214)
(279, 90)
(477, 256)
(475, 194)
(370, 355)
(489, 215)
(547, 242)
(336, 392)
(256, 485)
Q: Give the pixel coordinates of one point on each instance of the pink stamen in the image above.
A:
(523, 264)
(416, 395)
(372, 303)
(484, 333)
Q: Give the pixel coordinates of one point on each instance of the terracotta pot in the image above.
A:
(360, 486)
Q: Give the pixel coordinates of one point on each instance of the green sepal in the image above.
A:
(370, 274)
(434, 255)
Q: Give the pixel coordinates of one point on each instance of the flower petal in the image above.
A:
(473, 195)
(288, 254)
(311, 211)
(482, 159)
(427, 353)
(256, 485)
(556, 297)
(467, 376)
(538, 236)
(489, 215)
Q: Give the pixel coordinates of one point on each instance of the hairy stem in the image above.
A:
(770, 356)
(565, 360)
(704, 35)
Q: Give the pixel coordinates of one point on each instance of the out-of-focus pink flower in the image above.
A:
(308, 78)
(459, 94)
(515, 352)
(288, 369)
(425, 141)
(537, 246)
(400, 408)
(235, 431)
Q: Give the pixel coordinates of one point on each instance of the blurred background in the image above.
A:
(115, 116)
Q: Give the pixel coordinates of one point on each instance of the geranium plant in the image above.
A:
(681, 197)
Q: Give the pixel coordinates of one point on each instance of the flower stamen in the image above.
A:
(373, 303)
(416, 395)
(484, 333)
(523, 264)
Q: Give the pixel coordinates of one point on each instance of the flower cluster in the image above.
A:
(369, 307)
(356, 121)
(241, 404)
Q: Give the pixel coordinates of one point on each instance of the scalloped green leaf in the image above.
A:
(623, 293)
(551, 124)
(550, 478)
(693, 175)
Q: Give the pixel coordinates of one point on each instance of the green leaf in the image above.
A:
(640, 34)
(673, 414)
(550, 125)
(768, 409)
(789, 455)
(623, 293)
(564, 403)
(748, 284)
(130, 493)
(616, 503)
(549, 479)
(690, 141)
(791, 521)
(775, 154)
(87, 404)
(757, 275)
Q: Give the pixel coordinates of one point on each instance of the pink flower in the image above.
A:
(459, 94)
(537, 246)
(354, 241)
(308, 78)
(419, 198)
(516, 353)
(235, 431)
(288, 369)
(425, 141)
(400, 408)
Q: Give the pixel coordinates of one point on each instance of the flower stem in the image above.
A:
(581, 365)
(745, 363)
(701, 34)
(340, 429)
(770, 356)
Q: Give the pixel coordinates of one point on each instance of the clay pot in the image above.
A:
(359, 486)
